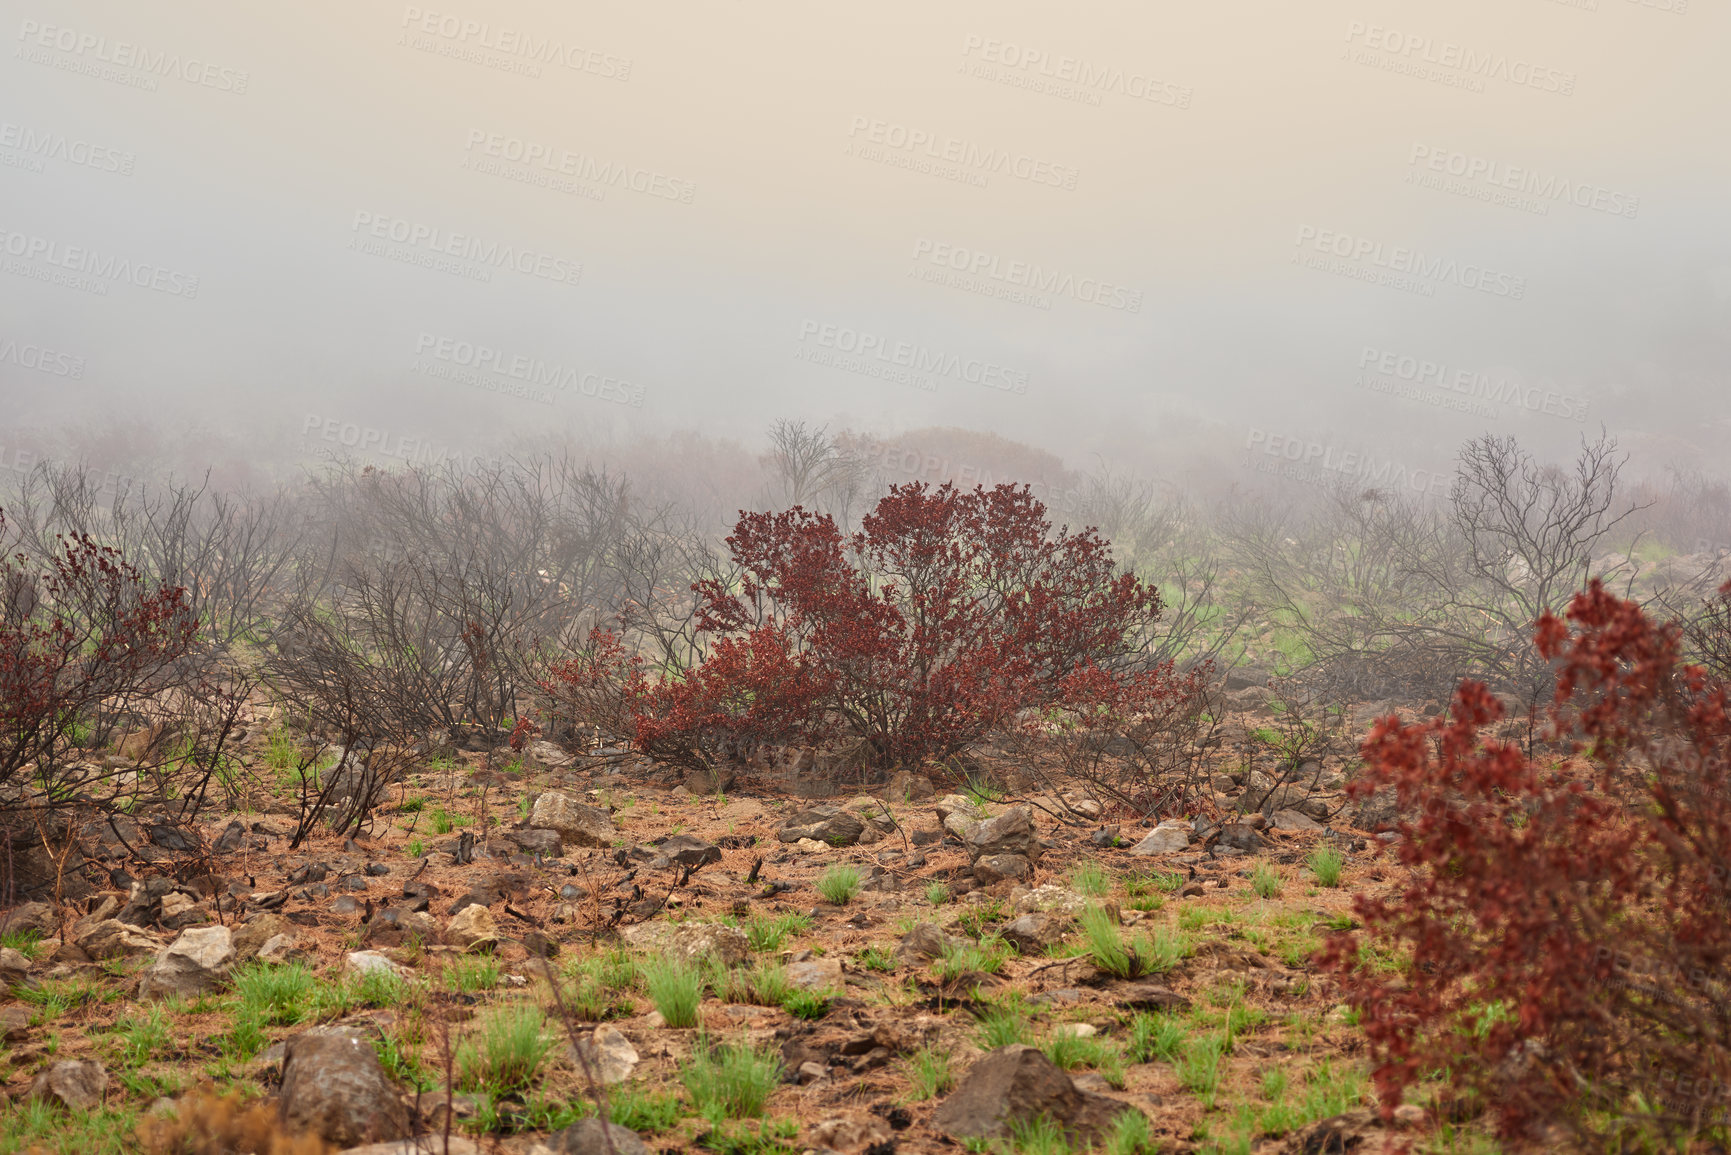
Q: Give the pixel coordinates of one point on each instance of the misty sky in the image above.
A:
(1367, 227)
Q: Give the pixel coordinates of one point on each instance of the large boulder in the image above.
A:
(689, 941)
(196, 963)
(830, 825)
(76, 1084)
(577, 824)
(1011, 832)
(333, 1085)
(1016, 1083)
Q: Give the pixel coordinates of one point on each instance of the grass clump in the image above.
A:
(731, 1080)
(928, 1071)
(1003, 1023)
(507, 1054)
(676, 989)
(1091, 879)
(961, 959)
(1198, 1067)
(278, 996)
(1156, 1037)
(839, 884)
(763, 933)
(26, 940)
(1149, 954)
(878, 958)
(1326, 863)
(1265, 881)
(1069, 1051)
(631, 1105)
(806, 1004)
(937, 893)
(1131, 1134)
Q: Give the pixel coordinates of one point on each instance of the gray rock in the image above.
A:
(333, 1085)
(532, 841)
(1166, 838)
(995, 868)
(830, 825)
(251, 935)
(473, 929)
(76, 1084)
(1015, 1083)
(818, 974)
(112, 938)
(196, 963)
(689, 941)
(684, 850)
(1033, 933)
(926, 940)
(576, 824)
(608, 1053)
(36, 916)
(585, 1137)
(1011, 832)
(1293, 820)
(1241, 837)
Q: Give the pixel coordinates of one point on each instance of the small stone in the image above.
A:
(1294, 820)
(1076, 1030)
(851, 1132)
(1011, 832)
(810, 1073)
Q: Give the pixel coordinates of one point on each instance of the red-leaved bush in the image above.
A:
(943, 616)
(1558, 950)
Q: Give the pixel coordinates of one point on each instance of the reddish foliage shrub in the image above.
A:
(80, 646)
(1561, 941)
(947, 613)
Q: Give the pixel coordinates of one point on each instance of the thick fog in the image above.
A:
(1328, 238)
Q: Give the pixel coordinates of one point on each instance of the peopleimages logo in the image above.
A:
(1316, 463)
(1392, 370)
(482, 366)
(903, 147)
(87, 48)
(1501, 183)
(514, 43)
(875, 355)
(1066, 77)
(530, 159)
(39, 146)
(992, 275)
(1399, 51)
(88, 270)
(40, 359)
(1401, 267)
(436, 243)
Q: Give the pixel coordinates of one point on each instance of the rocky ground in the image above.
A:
(747, 971)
